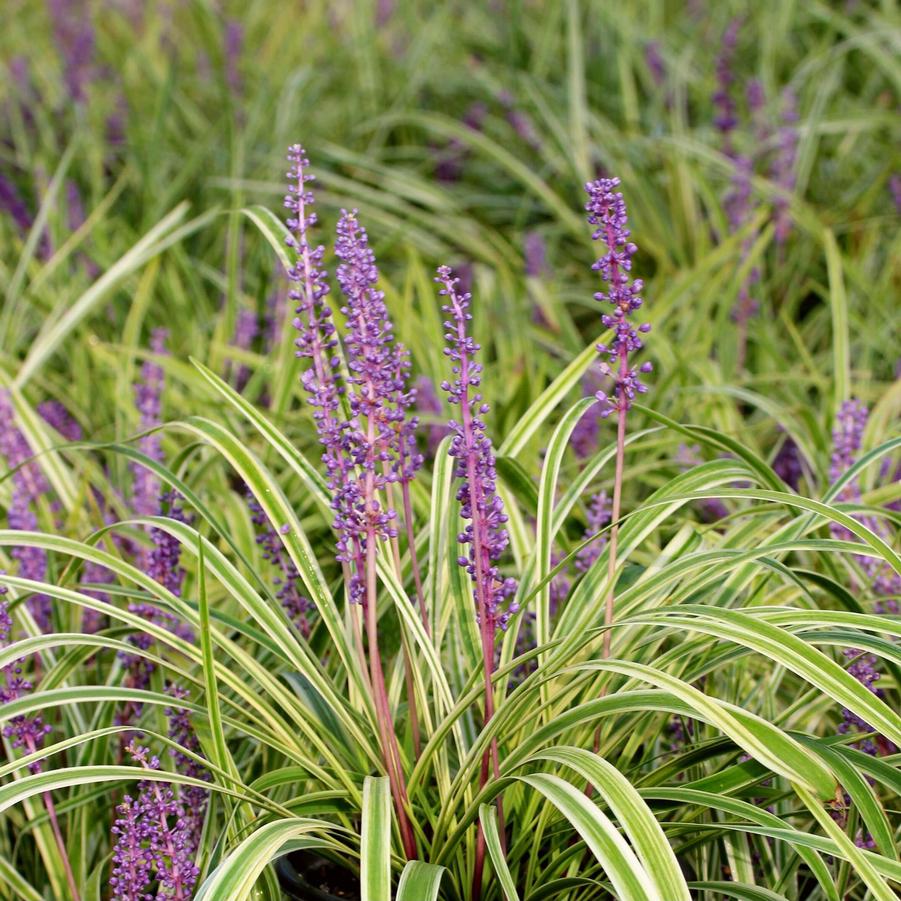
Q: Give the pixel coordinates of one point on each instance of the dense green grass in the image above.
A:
(737, 625)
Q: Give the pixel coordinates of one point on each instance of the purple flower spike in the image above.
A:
(784, 165)
(598, 517)
(163, 560)
(59, 418)
(295, 604)
(847, 436)
(726, 118)
(74, 35)
(28, 486)
(479, 502)
(607, 211)
(654, 61)
(318, 342)
(14, 206)
(26, 732)
(152, 841)
(535, 252)
(193, 797)
(148, 397)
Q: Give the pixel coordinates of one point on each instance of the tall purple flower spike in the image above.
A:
(784, 165)
(193, 797)
(317, 342)
(607, 211)
(847, 438)
(295, 604)
(28, 486)
(485, 534)
(148, 397)
(726, 118)
(74, 36)
(153, 841)
(23, 731)
(598, 517)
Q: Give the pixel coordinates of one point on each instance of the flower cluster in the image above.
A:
(153, 841)
(485, 534)
(193, 797)
(607, 212)
(163, 562)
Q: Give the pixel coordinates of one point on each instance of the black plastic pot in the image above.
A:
(304, 876)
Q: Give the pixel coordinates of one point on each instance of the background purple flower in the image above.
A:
(148, 399)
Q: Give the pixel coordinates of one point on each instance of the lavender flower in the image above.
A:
(193, 797)
(560, 585)
(449, 165)
(863, 668)
(607, 211)
(520, 121)
(784, 165)
(712, 508)
(247, 328)
(317, 342)
(14, 206)
(74, 36)
(535, 252)
(847, 436)
(726, 118)
(163, 560)
(56, 415)
(23, 731)
(598, 517)
(153, 841)
(654, 61)
(28, 486)
(787, 463)
(234, 44)
(479, 502)
(294, 603)
(584, 438)
(148, 395)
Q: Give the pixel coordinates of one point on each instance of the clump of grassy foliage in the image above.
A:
(709, 753)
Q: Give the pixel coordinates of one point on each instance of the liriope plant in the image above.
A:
(450, 681)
